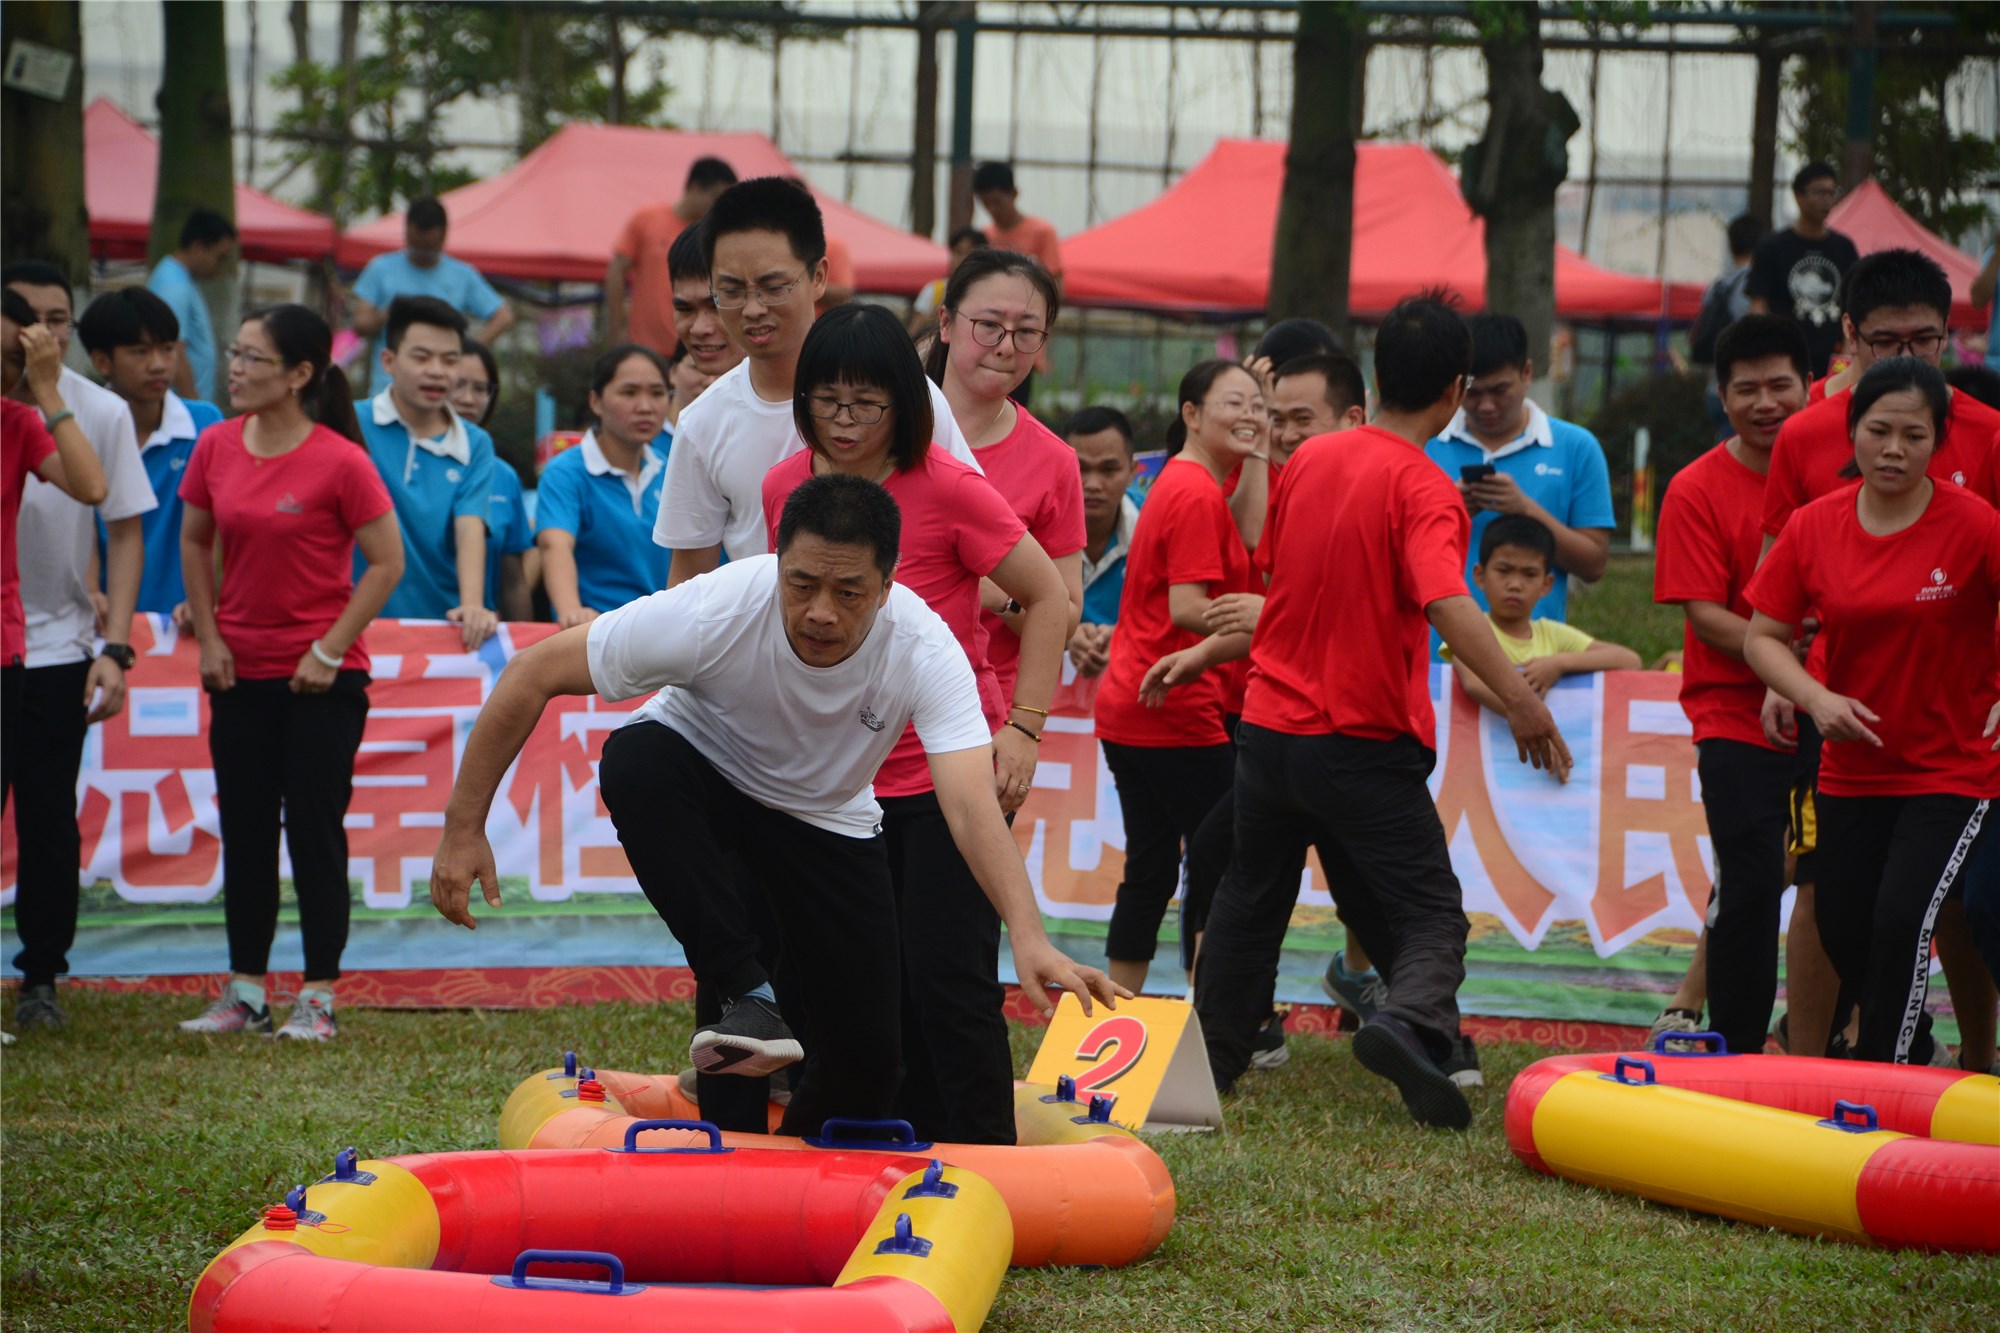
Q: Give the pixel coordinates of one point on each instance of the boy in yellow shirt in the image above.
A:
(1516, 569)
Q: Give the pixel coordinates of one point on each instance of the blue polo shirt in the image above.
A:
(432, 483)
(1104, 579)
(611, 516)
(1558, 464)
(453, 281)
(509, 530)
(172, 283)
(164, 454)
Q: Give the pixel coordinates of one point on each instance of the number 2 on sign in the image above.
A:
(1125, 1037)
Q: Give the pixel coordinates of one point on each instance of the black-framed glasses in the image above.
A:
(829, 409)
(1892, 344)
(767, 293)
(989, 333)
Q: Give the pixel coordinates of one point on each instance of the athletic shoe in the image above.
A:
(1941, 1056)
(751, 1039)
(781, 1086)
(39, 1008)
(1675, 1020)
(230, 1014)
(1836, 1045)
(1269, 1050)
(1463, 1066)
(311, 1020)
(1386, 1046)
(1360, 995)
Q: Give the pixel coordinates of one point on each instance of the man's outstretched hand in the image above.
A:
(462, 857)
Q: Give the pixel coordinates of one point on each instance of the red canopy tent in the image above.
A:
(121, 163)
(555, 214)
(1204, 246)
(1874, 221)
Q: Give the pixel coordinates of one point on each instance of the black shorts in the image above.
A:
(1802, 843)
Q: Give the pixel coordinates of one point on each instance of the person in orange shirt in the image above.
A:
(640, 256)
(993, 187)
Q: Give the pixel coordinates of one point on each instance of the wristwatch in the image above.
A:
(121, 653)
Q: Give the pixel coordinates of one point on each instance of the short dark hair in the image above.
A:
(205, 226)
(1290, 339)
(425, 214)
(1194, 388)
(126, 318)
(1091, 420)
(474, 347)
(709, 171)
(605, 368)
(1522, 531)
(1745, 230)
(978, 266)
(1976, 381)
(1888, 279)
(972, 234)
(1344, 386)
(1813, 171)
(36, 273)
(15, 306)
(1499, 342)
(1754, 337)
(767, 203)
(1894, 374)
(1422, 348)
(993, 176)
(857, 344)
(848, 511)
(687, 257)
(427, 310)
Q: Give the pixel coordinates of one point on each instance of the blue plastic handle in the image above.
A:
(569, 1066)
(1661, 1039)
(840, 1132)
(520, 1280)
(638, 1127)
(1623, 1063)
(933, 1185)
(1842, 1109)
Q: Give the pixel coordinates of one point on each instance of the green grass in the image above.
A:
(1619, 608)
(132, 1154)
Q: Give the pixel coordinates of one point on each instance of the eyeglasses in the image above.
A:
(767, 293)
(472, 390)
(243, 356)
(1890, 344)
(988, 333)
(829, 409)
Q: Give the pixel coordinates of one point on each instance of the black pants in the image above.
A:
(1745, 790)
(44, 744)
(286, 760)
(1363, 804)
(686, 829)
(1886, 865)
(736, 1101)
(1982, 902)
(1163, 794)
(958, 1073)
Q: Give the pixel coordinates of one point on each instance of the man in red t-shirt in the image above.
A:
(1366, 553)
(993, 187)
(640, 254)
(1709, 541)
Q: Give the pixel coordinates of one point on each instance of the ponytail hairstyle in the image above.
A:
(975, 268)
(303, 338)
(1201, 377)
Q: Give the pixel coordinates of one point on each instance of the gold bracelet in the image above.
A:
(1028, 708)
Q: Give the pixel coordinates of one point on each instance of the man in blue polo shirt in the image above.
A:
(134, 342)
(208, 240)
(422, 268)
(438, 468)
(1507, 456)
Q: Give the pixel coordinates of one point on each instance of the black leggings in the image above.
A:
(1745, 790)
(1164, 795)
(285, 761)
(43, 738)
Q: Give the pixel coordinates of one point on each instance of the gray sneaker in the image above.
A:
(311, 1020)
(39, 1008)
(1675, 1020)
(1358, 995)
(751, 1039)
(227, 1013)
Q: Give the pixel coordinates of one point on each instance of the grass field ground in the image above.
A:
(131, 1154)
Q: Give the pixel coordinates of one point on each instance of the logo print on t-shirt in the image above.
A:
(1814, 283)
(1939, 590)
(869, 720)
(1958, 479)
(287, 505)
(451, 474)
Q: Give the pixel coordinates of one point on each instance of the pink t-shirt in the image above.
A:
(287, 526)
(1036, 474)
(25, 444)
(956, 528)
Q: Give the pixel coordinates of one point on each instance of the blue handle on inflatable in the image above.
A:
(615, 1286)
(569, 1066)
(1623, 1063)
(1065, 1090)
(1842, 1109)
(840, 1132)
(1100, 1110)
(933, 1185)
(905, 1241)
(638, 1127)
(347, 1170)
(1660, 1044)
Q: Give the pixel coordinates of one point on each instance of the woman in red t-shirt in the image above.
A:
(864, 410)
(284, 492)
(1905, 575)
(1174, 762)
(994, 319)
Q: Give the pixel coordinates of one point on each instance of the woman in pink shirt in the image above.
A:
(285, 492)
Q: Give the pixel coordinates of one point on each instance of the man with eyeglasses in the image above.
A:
(1798, 272)
(766, 249)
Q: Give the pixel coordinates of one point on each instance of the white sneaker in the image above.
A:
(311, 1020)
(229, 1013)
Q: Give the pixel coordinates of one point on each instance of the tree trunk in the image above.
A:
(41, 149)
(616, 57)
(924, 121)
(194, 137)
(1764, 135)
(1314, 243)
(1859, 157)
(1510, 178)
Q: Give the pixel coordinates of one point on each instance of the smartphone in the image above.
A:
(1472, 472)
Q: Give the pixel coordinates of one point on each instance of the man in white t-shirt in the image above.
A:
(783, 680)
(70, 682)
(766, 248)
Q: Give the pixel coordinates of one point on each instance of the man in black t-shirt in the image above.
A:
(1797, 272)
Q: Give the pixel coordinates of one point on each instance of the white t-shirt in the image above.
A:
(725, 442)
(56, 535)
(802, 739)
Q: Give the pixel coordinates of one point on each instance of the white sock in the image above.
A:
(249, 992)
(325, 994)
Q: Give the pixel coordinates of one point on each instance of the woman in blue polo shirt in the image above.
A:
(597, 502)
(513, 566)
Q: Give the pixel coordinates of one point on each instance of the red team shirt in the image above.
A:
(956, 529)
(1907, 621)
(1813, 446)
(292, 519)
(25, 444)
(1366, 532)
(1035, 473)
(1185, 534)
(1709, 540)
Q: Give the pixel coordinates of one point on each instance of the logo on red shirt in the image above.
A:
(1939, 590)
(287, 505)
